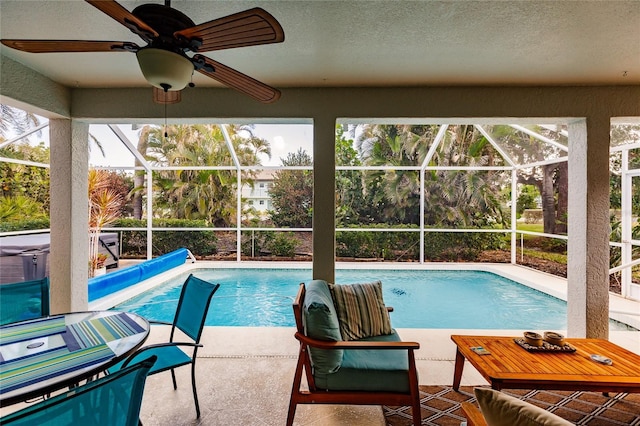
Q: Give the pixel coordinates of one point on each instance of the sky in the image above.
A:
(283, 139)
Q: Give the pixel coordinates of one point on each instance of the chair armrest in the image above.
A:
(355, 344)
(158, 345)
(473, 414)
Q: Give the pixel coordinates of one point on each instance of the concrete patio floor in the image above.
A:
(244, 377)
(244, 374)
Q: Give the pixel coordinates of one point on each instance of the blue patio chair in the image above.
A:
(191, 312)
(114, 399)
(24, 300)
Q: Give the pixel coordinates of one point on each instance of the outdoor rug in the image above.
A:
(441, 406)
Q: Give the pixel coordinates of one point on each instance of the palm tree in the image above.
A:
(452, 198)
(199, 194)
(104, 207)
(17, 120)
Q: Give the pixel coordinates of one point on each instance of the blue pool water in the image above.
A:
(421, 299)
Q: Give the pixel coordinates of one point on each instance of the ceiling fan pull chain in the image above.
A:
(165, 121)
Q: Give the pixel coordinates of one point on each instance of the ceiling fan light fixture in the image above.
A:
(165, 69)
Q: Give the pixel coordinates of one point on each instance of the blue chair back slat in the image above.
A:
(193, 305)
(112, 400)
(24, 300)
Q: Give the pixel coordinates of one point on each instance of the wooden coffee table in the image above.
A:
(509, 366)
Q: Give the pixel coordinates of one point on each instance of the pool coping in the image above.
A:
(541, 281)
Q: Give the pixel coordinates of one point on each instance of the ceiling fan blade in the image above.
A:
(126, 18)
(236, 80)
(55, 46)
(249, 28)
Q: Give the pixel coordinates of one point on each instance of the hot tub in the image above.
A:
(25, 257)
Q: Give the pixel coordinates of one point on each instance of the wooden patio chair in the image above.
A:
(371, 371)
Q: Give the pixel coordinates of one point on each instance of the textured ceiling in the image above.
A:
(366, 43)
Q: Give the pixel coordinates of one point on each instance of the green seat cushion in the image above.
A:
(370, 370)
(169, 356)
(321, 322)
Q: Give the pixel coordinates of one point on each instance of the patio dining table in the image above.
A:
(43, 355)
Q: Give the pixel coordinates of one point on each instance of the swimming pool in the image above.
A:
(421, 299)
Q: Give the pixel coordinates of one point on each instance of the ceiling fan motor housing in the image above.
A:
(165, 69)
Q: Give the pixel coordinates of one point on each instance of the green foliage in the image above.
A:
(134, 243)
(276, 243)
(552, 257)
(397, 246)
(198, 194)
(456, 246)
(526, 198)
(531, 227)
(292, 193)
(554, 245)
(394, 246)
(24, 224)
(351, 206)
(452, 198)
(253, 243)
(20, 208)
(22, 180)
(282, 244)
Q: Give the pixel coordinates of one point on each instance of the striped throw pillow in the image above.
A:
(361, 310)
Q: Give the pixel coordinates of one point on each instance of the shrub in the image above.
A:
(134, 243)
(282, 245)
(397, 246)
(23, 225)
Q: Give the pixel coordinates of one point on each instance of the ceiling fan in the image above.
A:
(170, 35)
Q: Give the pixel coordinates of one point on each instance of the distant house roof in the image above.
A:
(265, 175)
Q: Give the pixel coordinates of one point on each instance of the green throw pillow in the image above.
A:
(500, 409)
(321, 322)
(361, 310)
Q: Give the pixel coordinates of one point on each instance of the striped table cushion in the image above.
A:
(101, 330)
(45, 365)
(31, 330)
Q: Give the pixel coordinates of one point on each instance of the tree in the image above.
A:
(621, 135)
(19, 180)
(551, 179)
(468, 198)
(453, 198)
(393, 195)
(292, 192)
(526, 198)
(16, 120)
(199, 194)
(105, 205)
(350, 201)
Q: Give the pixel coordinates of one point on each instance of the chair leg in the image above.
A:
(415, 390)
(173, 377)
(415, 413)
(193, 385)
(292, 411)
(295, 388)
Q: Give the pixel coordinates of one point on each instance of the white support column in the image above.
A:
(626, 224)
(514, 215)
(324, 198)
(149, 213)
(588, 229)
(69, 215)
